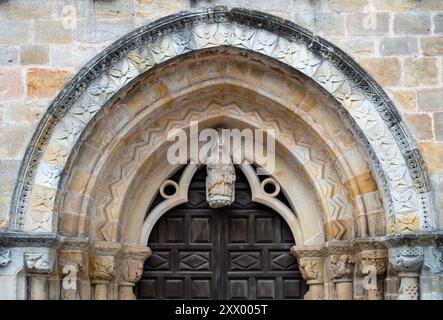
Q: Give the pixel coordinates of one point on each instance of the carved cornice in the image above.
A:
(75, 244)
(11, 239)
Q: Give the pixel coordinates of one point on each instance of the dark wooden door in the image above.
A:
(236, 252)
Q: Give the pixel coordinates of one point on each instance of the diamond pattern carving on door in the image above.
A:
(236, 252)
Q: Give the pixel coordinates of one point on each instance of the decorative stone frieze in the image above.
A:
(102, 267)
(311, 264)
(131, 270)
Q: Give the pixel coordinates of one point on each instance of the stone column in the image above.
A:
(311, 263)
(73, 269)
(407, 261)
(131, 270)
(38, 266)
(341, 268)
(102, 268)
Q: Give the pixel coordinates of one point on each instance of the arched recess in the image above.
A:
(395, 159)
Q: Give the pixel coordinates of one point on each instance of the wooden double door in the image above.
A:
(236, 252)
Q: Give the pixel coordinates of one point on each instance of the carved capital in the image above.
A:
(341, 260)
(101, 268)
(311, 262)
(374, 259)
(132, 263)
(72, 260)
(5, 257)
(341, 267)
(406, 259)
(102, 261)
(39, 262)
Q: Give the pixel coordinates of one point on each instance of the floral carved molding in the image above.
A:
(372, 113)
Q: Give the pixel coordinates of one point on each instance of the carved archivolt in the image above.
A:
(392, 151)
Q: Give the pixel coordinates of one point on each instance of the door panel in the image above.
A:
(236, 252)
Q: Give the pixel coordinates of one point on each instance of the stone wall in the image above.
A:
(43, 43)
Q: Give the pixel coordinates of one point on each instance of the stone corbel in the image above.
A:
(131, 270)
(372, 259)
(341, 268)
(102, 268)
(38, 265)
(311, 263)
(73, 268)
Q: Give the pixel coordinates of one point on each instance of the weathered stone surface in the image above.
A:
(430, 99)
(356, 47)
(404, 99)
(349, 5)
(26, 10)
(8, 173)
(101, 30)
(385, 70)
(438, 23)
(44, 83)
(368, 24)
(71, 56)
(420, 71)
(412, 23)
(433, 153)
(11, 80)
(395, 5)
(398, 46)
(20, 113)
(114, 8)
(14, 32)
(158, 8)
(432, 46)
(333, 22)
(52, 31)
(420, 125)
(438, 125)
(431, 5)
(13, 141)
(34, 54)
(8, 56)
